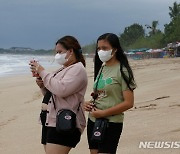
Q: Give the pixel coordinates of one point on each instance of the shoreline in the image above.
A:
(25, 69)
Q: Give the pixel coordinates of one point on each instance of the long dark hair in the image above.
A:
(120, 56)
(70, 42)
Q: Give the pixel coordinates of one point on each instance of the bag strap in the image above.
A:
(58, 71)
(95, 90)
(50, 92)
(55, 104)
(53, 97)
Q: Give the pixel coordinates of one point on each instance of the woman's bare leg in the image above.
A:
(57, 149)
(44, 147)
(93, 151)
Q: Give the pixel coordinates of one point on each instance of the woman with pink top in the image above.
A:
(68, 86)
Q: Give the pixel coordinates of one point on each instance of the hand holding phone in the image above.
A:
(33, 68)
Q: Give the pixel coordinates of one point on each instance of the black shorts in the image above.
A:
(44, 135)
(50, 135)
(43, 116)
(111, 139)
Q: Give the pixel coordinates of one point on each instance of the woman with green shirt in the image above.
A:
(114, 84)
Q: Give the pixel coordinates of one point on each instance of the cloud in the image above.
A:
(39, 24)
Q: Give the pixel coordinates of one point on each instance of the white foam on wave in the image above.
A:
(19, 64)
(4, 58)
(5, 69)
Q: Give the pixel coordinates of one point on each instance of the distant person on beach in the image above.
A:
(66, 87)
(114, 82)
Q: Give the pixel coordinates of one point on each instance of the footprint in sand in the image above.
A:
(147, 107)
(36, 96)
(150, 106)
(176, 130)
(162, 97)
(4, 123)
(175, 105)
(175, 69)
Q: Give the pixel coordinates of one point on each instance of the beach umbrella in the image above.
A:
(150, 50)
(131, 53)
(139, 53)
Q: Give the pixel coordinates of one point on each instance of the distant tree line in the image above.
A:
(34, 52)
(134, 36)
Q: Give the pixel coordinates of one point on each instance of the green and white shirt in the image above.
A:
(110, 91)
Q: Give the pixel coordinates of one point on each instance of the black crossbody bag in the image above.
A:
(65, 120)
(101, 124)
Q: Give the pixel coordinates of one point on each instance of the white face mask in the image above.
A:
(104, 56)
(60, 58)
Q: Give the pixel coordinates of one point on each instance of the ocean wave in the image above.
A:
(19, 64)
(4, 69)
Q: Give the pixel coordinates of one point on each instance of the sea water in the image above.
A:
(12, 64)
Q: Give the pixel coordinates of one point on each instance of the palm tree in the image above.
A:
(153, 27)
(174, 10)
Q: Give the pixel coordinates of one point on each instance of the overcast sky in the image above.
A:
(39, 23)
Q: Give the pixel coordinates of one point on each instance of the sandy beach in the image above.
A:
(154, 117)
